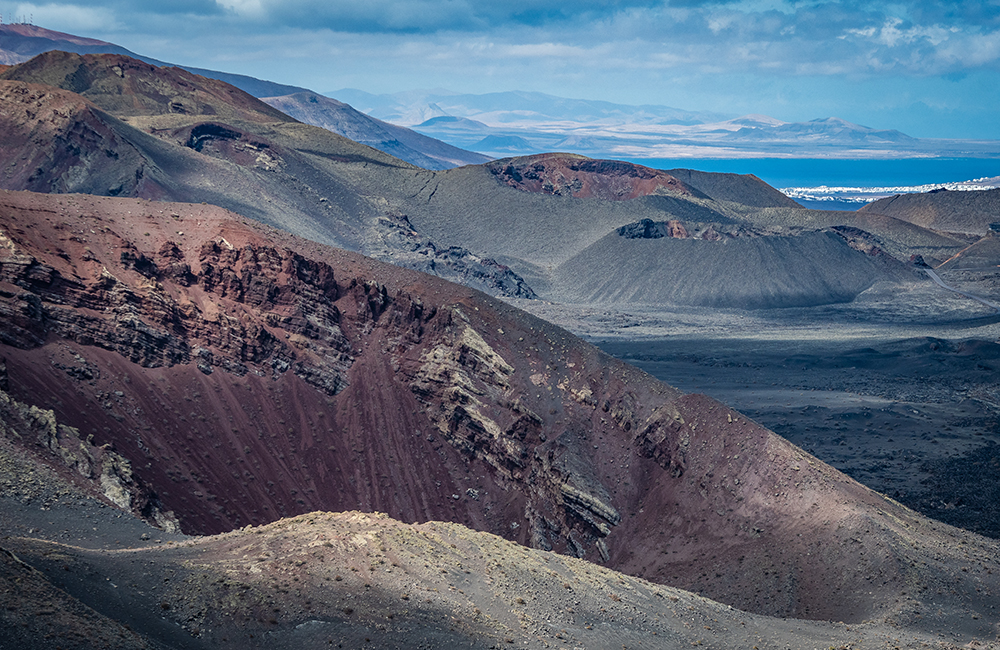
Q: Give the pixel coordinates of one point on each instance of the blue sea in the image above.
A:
(784, 172)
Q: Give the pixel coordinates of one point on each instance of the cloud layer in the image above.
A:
(767, 56)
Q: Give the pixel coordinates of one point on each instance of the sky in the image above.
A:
(929, 69)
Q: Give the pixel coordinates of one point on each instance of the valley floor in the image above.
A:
(899, 388)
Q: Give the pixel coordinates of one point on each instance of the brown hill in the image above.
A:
(55, 141)
(246, 375)
(129, 88)
(20, 42)
(959, 212)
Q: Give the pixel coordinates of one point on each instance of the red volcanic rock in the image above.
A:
(246, 375)
(571, 175)
(57, 141)
(127, 87)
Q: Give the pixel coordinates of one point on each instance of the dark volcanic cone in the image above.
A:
(745, 189)
(246, 375)
(960, 212)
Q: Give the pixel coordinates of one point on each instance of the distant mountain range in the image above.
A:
(450, 129)
(505, 123)
(417, 106)
(401, 142)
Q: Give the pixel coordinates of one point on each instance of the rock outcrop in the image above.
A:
(245, 375)
(570, 175)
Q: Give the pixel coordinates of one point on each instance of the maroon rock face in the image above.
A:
(246, 375)
(56, 141)
(569, 175)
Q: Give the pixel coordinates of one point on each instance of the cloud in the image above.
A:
(424, 16)
(250, 8)
(755, 54)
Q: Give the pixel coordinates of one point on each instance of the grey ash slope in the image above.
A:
(744, 272)
(229, 149)
(960, 212)
(747, 190)
(768, 255)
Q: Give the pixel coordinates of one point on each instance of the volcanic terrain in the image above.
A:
(19, 43)
(479, 225)
(230, 374)
(181, 345)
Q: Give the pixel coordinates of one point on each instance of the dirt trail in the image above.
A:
(934, 276)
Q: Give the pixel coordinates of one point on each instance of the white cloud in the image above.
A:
(248, 8)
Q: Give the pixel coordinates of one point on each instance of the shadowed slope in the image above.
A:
(246, 374)
(57, 141)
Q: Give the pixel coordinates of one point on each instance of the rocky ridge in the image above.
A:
(247, 375)
(569, 175)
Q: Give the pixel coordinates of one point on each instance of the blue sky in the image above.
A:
(929, 69)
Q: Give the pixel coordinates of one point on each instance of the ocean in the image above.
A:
(785, 172)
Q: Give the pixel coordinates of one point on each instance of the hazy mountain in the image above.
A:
(526, 123)
(830, 130)
(415, 107)
(398, 141)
